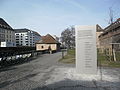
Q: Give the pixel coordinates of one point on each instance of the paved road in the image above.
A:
(46, 73)
(29, 75)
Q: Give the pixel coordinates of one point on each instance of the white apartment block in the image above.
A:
(26, 37)
(7, 35)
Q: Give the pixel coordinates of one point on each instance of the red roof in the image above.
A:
(48, 39)
(118, 19)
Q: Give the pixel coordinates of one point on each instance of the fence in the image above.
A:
(111, 51)
(14, 55)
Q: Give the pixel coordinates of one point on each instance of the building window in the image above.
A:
(42, 47)
(17, 39)
(7, 36)
(17, 36)
(2, 31)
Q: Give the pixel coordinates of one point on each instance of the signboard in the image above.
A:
(86, 53)
(7, 44)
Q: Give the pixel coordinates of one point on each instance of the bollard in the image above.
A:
(62, 54)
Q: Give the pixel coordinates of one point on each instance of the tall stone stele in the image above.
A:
(86, 52)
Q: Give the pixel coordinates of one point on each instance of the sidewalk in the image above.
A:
(63, 78)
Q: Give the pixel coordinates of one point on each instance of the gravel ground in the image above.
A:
(46, 73)
(64, 78)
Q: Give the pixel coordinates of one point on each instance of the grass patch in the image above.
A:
(117, 55)
(70, 57)
(103, 60)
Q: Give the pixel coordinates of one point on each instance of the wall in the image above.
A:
(46, 46)
(7, 36)
(97, 39)
(2, 35)
(105, 45)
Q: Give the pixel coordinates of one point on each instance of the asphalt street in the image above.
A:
(25, 76)
(46, 73)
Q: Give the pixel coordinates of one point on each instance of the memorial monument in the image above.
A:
(86, 53)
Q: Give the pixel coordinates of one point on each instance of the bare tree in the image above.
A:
(111, 16)
(68, 38)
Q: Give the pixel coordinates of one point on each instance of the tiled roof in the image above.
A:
(98, 28)
(3, 24)
(112, 27)
(21, 30)
(48, 39)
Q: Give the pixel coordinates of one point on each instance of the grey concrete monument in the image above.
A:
(86, 53)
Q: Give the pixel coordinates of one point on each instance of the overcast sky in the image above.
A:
(53, 16)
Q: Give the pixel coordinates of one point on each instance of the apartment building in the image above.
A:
(7, 34)
(26, 37)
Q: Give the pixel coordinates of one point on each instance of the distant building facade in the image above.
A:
(99, 31)
(7, 35)
(110, 38)
(56, 38)
(48, 42)
(26, 37)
